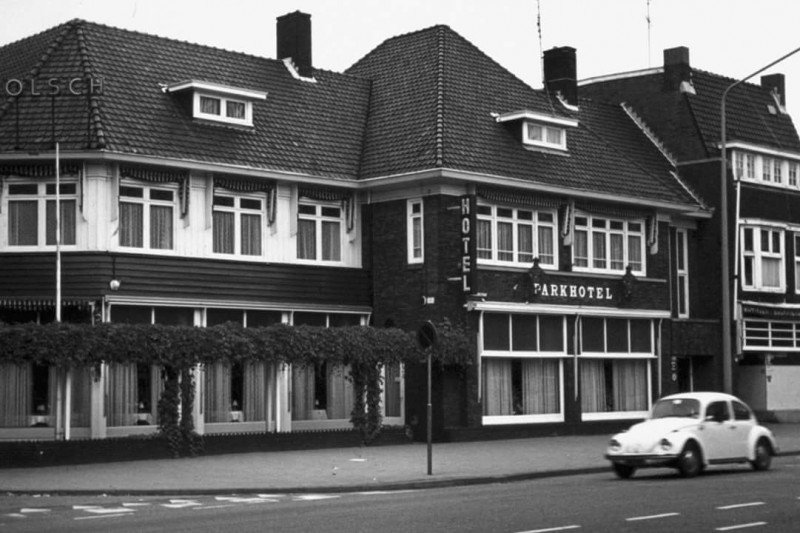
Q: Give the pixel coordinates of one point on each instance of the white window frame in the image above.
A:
(41, 197)
(626, 232)
(415, 242)
(528, 127)
(494, 218)
(319, 219)
(147, 202)
(223, 116)
(682, 269)
(757, 255)
(796, 237)
(239, 211)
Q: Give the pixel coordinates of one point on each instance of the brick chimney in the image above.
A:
(777, 83)
(676, 68)
(560, 73)
(294, 40)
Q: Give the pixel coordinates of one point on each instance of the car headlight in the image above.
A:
(614, 445)
(665, 444)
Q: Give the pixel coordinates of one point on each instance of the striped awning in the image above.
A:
(43, 304)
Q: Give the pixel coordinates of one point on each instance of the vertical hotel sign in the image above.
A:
(468, 243)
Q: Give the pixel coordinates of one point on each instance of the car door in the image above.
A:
(743, 422)
(717, 431)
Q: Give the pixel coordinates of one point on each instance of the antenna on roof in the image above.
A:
(539, 29)
(648, 33)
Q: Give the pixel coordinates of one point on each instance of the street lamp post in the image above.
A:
(727, 363)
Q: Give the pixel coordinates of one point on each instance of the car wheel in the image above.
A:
(690, 462)
(623, 471)
(763, 456)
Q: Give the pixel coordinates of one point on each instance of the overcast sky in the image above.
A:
(730, 37)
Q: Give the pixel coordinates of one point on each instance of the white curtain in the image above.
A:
(630, 385)
(505, 241)
(331, 241)
(580, 250)
(599, 249)
(546, 255)
(484, 236)
(497, 393)
(121, 394)
(251, 234)
(770, 272)
(217, 404)
(131, 224)
(15, 394)
(617, 252)
(255, 391)
(306, 239)
(302, 391)
(525, 243)
(223, 232)
(540, 386)
(161, 227)
(635, 252)
(593, 386)
(339, 393)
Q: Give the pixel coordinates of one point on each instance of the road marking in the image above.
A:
(221, 506)
(741, 526)
(651, 517)
(313, 497)
(239, 499)
(739, 505)
(180, 504)
(135, 504)
(16, 515)
(96, 509)
(101, 516)
(34, 510)
(548, 530)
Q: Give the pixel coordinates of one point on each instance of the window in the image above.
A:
(32, 214)
(608, 245)
(766, 168)
(762, 259)
(415, 231)
(237, 225)
(792, 175)
(223, 109)
(797, 263)
(750, 166)
(549, 136)
(319, 232)
(516, 236)
(521, 368)
(146, 217)
(682, 268)
(777, 171)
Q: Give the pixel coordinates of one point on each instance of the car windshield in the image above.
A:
(679, 407)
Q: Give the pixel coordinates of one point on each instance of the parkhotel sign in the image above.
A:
(52, 86)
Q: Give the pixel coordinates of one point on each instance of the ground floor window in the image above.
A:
(521, 386)
(236, 392)
(613, 385)
(133, 393)
(321, 392)
(392, 391)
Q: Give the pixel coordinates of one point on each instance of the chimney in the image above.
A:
(677, 69)
(294, 40)
(560, 73)
(775, 83)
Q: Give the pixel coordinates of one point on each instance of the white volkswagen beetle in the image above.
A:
(690, 431)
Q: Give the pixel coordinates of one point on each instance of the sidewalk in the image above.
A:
(338, 470)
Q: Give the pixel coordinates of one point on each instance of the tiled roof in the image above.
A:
(302, 127)
(434, 99)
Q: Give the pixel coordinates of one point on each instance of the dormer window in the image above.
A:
(220, 103)
(539, 131)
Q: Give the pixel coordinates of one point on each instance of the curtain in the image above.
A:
(81, 414)
(580, 251)
(255, 391)
(121, 394)
(331, 241)
(635, 252)
(306, 239)
(525, 243)
(496, 386)
(484, 237)
(251, 234)
(302, 392)
(593, 386)
(546, 255)
(599, 249)
(15, 394)
(339, 394)
(217, 405)
(161, 227)
(505, 241)
(540, 386)
(391, 390)
(23, 223)
(630, 385)
(67, 222)
(617, 252)
(131, 224)
(770, 272)
(223, 232)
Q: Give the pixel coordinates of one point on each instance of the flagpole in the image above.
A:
(58, 235)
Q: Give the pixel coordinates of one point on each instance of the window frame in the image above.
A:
(682, 272)
(757, 256)
(494, 219)
(223, 115)
(626, 232)
(412, 220)
(319, 220)
(238, 212)
(546, 129)
(147, 202)
(42, 198)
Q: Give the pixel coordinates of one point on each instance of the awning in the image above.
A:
(777, 311)
(43, 304)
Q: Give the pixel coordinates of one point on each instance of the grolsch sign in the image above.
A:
(52, 86)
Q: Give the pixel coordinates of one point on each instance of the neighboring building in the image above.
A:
(199, 186)
(681, 105)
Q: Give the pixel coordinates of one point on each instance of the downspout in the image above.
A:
(658, 352)
(575, 339)
(736, 223)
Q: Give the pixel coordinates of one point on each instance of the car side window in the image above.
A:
(740, 411)
(718, 411)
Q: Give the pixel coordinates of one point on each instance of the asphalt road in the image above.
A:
(723, 499)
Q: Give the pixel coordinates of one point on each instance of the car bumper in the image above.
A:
(641, 460)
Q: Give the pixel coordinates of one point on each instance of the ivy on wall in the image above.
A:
(178, 349)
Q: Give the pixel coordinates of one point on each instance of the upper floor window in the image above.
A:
(762, 259)
(766, 169)
(237, 225)
(608, 245)
(516, 235)
(415, 231)
(549, 135)
(319, 231)
(224, 109)
(32, 214)
(146, 217)
(797, 263)
(682, 269)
